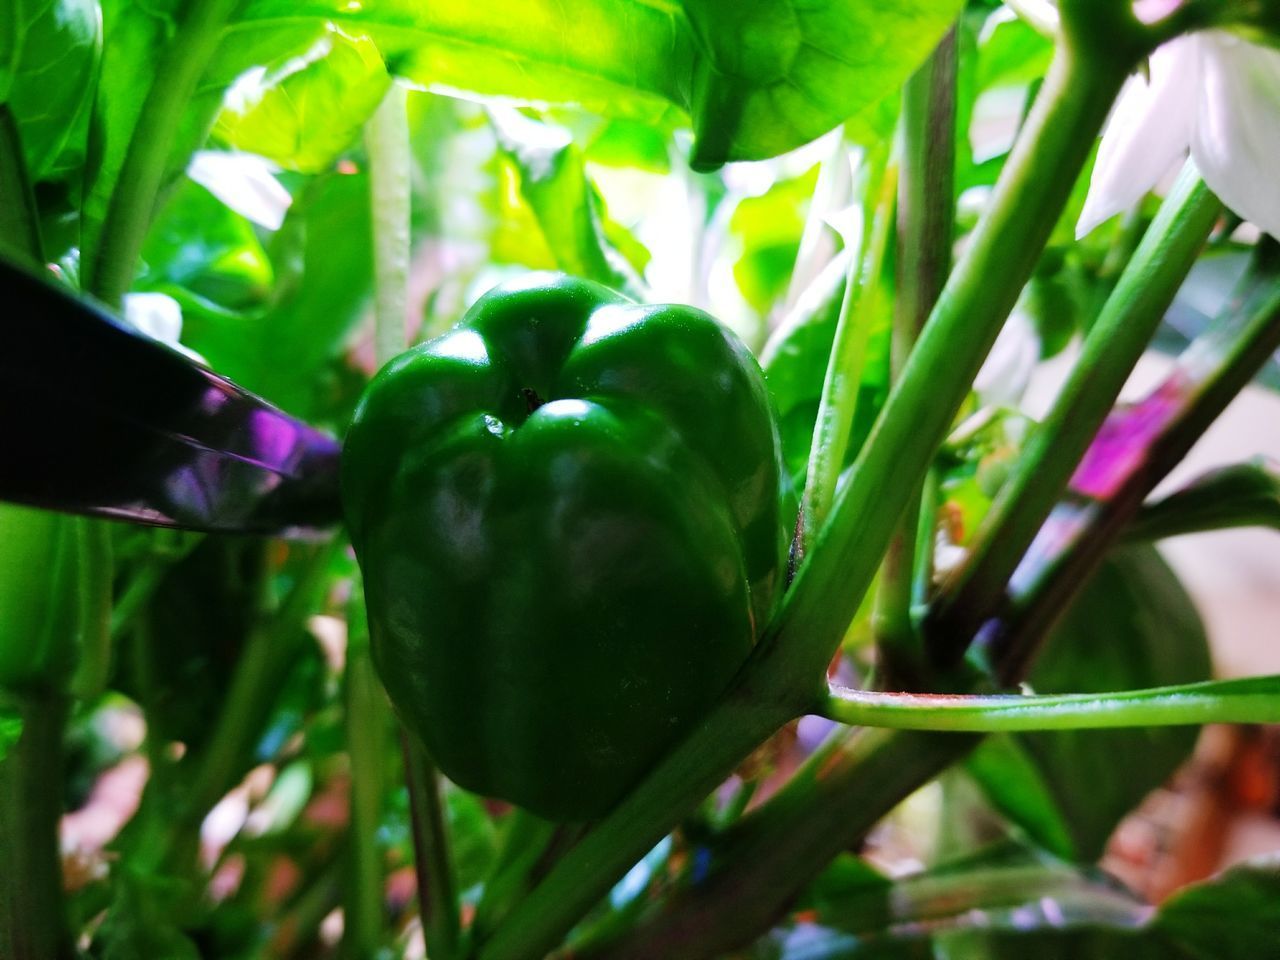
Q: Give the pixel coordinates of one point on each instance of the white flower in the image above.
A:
(1212, 93)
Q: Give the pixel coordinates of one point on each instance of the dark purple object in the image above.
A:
(97, 419)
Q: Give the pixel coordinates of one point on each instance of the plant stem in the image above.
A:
(1253, 700)
(367, 727)
(133, 198)
(926, 215)
(525, 849)
(843, 382)
(759, 864)
(19, 218)
(973, 305)
(437, 889)
(586, 872)
(32, 924)
(271, 650)
(367, 715)
(1111, 350)
(387, 141)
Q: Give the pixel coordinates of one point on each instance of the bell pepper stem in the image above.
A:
(32, 923)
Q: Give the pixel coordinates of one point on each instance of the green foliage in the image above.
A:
(309, 111)
(52, 54)
(584, 136)
(1008, 903)
(750, 92)
(1133, 626)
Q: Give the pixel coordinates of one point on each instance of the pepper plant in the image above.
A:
(697, 612)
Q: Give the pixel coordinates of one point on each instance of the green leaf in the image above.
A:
(778, 73)
(53, 46)
(201, 245)
(1234, 916)
(554, 182)
(1247, 494)
(795, 365)
(769, 227)
(10, 729)
(1133, 626)
(758, 80)
(322, 263)
(305, 113)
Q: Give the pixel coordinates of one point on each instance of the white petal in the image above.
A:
(155, 314)
(242, 181)
(159, 316)
(1149, 129)
(1236, 140)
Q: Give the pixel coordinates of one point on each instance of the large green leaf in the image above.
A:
(758, 79)
(1133, 626)
(554, 183)
(53, 46)
(322, 264)
(305, 114)
(774, 74)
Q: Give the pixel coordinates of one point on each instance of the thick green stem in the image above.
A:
(972, 308)
(829, 805)
(133, 199)
(1112, 349)
(587, 871)
(926, 215)
(19, 218)
(1255, 700)
(437, 888)
(32, 925)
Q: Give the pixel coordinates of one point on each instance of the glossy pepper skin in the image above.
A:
(566, 511)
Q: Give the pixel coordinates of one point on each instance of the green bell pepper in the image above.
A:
(566, 511)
